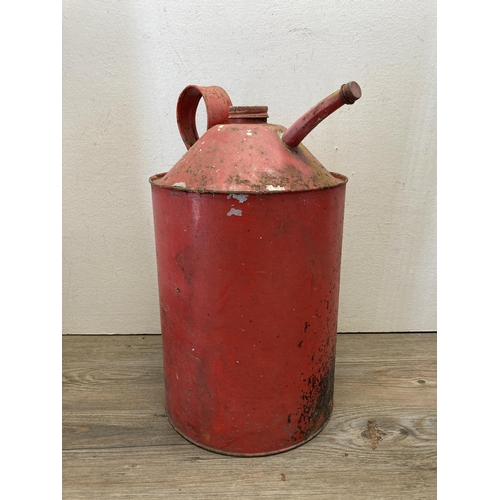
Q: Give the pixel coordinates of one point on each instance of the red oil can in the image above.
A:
(248, 228)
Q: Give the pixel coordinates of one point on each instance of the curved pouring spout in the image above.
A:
(348, 94)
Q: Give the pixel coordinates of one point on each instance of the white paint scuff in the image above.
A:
(235, 211)
(240, 197)
(270, 187)
(179, 185)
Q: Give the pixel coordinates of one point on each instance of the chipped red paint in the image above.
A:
(246, 158)
(249, 285)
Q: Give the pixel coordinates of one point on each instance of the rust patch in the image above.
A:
(373, 433)
(317, 400)
(283, 477)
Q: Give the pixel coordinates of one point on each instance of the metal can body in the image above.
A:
(248, 287)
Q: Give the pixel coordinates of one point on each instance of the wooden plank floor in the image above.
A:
(379, 444)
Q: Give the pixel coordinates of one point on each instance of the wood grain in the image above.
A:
(379, 443)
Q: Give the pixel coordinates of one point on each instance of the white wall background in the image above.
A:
(124, 65)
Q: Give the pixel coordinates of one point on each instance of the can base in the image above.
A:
(265, 454)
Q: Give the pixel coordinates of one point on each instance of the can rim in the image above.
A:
(342, 178)
(250, 455)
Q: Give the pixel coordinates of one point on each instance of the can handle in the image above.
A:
(217, 103)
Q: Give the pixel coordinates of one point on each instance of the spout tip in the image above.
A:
(351, 92)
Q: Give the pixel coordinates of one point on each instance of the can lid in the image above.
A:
(247, 156)
(237, 113)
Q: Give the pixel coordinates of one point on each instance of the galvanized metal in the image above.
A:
(248, 238)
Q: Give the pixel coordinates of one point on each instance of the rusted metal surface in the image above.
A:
(247, 158)
(248, 239)
(248, 114)
(241, 152)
